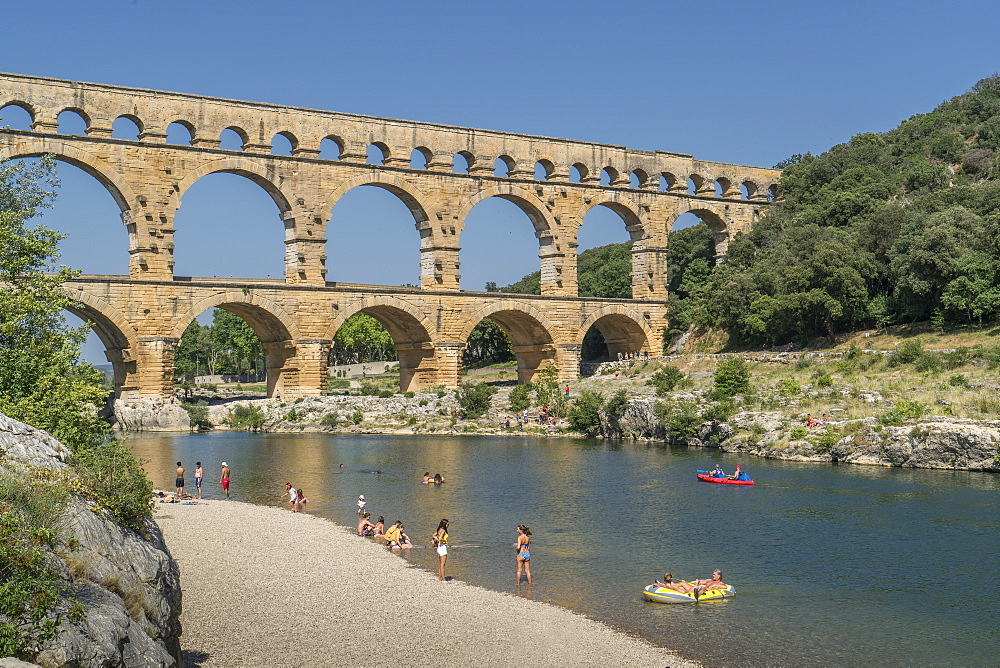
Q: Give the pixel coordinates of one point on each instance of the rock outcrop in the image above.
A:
(128, 584)
(151, 415)
(935, 442)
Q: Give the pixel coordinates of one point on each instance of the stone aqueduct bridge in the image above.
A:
(140, 317)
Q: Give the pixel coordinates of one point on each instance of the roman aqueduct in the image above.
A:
(140, 316)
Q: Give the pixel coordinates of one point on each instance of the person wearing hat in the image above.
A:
(224, 479)
(361, 505)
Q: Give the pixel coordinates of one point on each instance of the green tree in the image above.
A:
(474, 399)
(732, 377)
(236, 342)
(487, 344)
(584, 416)
(360, 339)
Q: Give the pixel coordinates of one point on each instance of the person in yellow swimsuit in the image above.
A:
(440, 541)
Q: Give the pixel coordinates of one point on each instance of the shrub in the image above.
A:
(584, 416)
(422, 402)
(665, 379)
(844, 367)
(902, 410)
(788, 388)
(474, 400)
(520, 397)
(958, 380)
(732, 377)
(369, 388)
(827, 440)
(337, 384)
(798, 433)
(679, 417)
(247, 417)
(385, 394)
(291, 416)
(111, 476)
(907, 352)
(357, 416)
(409, 395)
(825, 380)
(299, 400)
(616, 405)
(719, 412)
(198, 414)
(329, 420)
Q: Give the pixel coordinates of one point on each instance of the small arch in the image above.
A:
(749, 189)
(377, 153)
(772, 192)
(180, 133)
(283, 143)
(667, 180)
(463, 162)
(608, 176)
(16, 116)
(544, 169)
(73, 122)
(127, 127)
(723, 185)
(233, 138)
(331, 148)
(578, 172)
(638, 179)
(695, 183)
(419, 157)
(503, 166)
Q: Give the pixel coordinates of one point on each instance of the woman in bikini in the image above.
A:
(440, 541)
(668, 583)
(523, 554)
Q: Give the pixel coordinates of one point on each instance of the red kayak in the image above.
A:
(723, 481)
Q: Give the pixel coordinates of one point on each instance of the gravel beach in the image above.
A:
(266, 587)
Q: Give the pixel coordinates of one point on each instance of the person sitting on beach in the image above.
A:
(404, 540)
(365, 526)
(718, 472)
(709, 584)
(300, 501)
(438, 479)
(393, 535)
(668, 583)
(379, 528)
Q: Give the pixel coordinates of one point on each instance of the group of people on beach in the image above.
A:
(696, 588)
(199, 477)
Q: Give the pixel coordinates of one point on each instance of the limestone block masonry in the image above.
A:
(140, 317)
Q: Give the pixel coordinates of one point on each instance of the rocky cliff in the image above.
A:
(934, 442)
(127, 583)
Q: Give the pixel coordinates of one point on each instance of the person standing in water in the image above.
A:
(440, 541)
(179, 481)
(523, 554)
(224, 478)
(199, 475)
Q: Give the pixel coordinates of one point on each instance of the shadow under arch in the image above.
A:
(529, 331)
(119, 337)
(90, 163)
(408, 328)
(626, 209)
(250, 169)
(622, 328)
(272, 324)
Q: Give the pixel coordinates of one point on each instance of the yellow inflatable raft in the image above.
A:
(664, 595)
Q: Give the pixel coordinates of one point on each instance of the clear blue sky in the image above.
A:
(749, 83)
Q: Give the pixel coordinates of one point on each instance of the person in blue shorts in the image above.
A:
(198, 475)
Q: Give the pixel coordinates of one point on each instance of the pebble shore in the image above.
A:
(266, 587)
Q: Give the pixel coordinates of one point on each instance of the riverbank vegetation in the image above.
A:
(44, 383)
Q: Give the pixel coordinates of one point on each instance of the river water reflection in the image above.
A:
(833, 565)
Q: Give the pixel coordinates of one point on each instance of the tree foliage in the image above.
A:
(361, 339)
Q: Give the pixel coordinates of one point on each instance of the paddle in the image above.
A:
(700, 471)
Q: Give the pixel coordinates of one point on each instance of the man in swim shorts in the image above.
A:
(709, 584)
(179, 481)
(224, 479)
(199, 474)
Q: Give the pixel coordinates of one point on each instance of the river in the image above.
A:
(833, 565)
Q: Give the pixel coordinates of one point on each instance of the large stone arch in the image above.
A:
(716, 221)
(533, 336)
(410, 332)
(275, 327)
(249, 168)
(528, 202)
(412, 197)
(64, 151)
(118, 335)
(624, 330)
